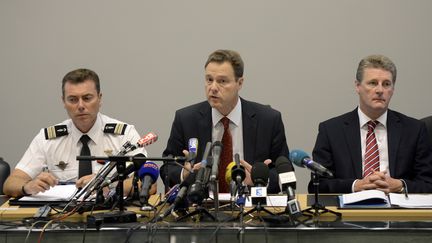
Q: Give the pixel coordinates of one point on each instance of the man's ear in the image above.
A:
(240, 81)
(357, 85)
(100, 99)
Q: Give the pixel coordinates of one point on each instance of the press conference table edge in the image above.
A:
(8, 212)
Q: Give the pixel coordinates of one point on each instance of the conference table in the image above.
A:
(355, 225)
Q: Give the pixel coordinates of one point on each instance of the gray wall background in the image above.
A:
(300, 57)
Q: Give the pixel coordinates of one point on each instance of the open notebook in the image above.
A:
(56, 194)
(378, 199)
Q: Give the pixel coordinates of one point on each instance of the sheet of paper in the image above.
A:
(56, 193)
(413, 200)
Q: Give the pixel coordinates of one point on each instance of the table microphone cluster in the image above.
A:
(193, 191)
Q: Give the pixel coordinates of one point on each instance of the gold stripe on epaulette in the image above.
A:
(119, 128)
(55, 131)
(51, 132)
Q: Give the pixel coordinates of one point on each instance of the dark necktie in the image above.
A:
(84, 166)
(226, 156)
(371, 161)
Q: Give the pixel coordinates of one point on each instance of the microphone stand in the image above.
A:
(120, 216)
(317, 209)
(200, 210)
(294, 218)
(258, 208)
(216, 197)
(135, 194)
(202, 194)
(241, 200)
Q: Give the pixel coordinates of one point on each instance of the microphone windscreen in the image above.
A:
(149, 168)
(260, 173)
(297, 156)
(147, 139)
(228, 172)
(283, 164)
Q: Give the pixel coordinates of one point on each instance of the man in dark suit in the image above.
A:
(428, 122)
(257, 130)
(392, 155)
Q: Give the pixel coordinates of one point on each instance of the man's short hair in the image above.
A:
(233, 57)
(80, 75)
(376, 61)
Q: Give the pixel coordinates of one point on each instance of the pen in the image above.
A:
(61, 182)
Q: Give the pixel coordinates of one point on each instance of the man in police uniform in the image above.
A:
(51, 156)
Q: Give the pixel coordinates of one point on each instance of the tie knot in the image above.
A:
(372, 124)
(225, 121)
(84, 139)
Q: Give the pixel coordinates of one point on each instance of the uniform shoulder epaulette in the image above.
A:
(55, 131)
(115, 128)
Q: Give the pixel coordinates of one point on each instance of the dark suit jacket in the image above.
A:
(263, 137)
(428, 122)
(338, 148)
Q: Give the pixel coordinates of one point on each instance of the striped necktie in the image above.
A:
(371, 161)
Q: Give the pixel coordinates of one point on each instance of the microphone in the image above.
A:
(97, 181)
(302, 159)
(286, 173)
(148, 174)
(230, 180)
(196, 193)
(228, 173)
(142, 142)
(238, 172)
(180, 197)
(287, 182)
(130, 168)
(260, 175)
(125, 148)
(147, 140)
(216, 151)
(193, 149)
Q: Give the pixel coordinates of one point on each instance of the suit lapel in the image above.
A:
(353, 140)
(249, 130)
(205, 127)
(394, 129)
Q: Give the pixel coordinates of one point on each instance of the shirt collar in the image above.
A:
(363, 118)
(234, 115)
(94, 133)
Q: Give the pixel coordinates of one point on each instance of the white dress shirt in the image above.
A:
(236, 128)
(381, 138)
(44, 152)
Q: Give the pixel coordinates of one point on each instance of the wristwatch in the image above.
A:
(403, 189)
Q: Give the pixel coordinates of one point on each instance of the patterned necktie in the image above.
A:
(226, 156)
(84, 166)
(371, 162)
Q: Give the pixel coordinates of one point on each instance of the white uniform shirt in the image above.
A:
(50, 152)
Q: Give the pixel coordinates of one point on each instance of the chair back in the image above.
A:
(4, 173)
